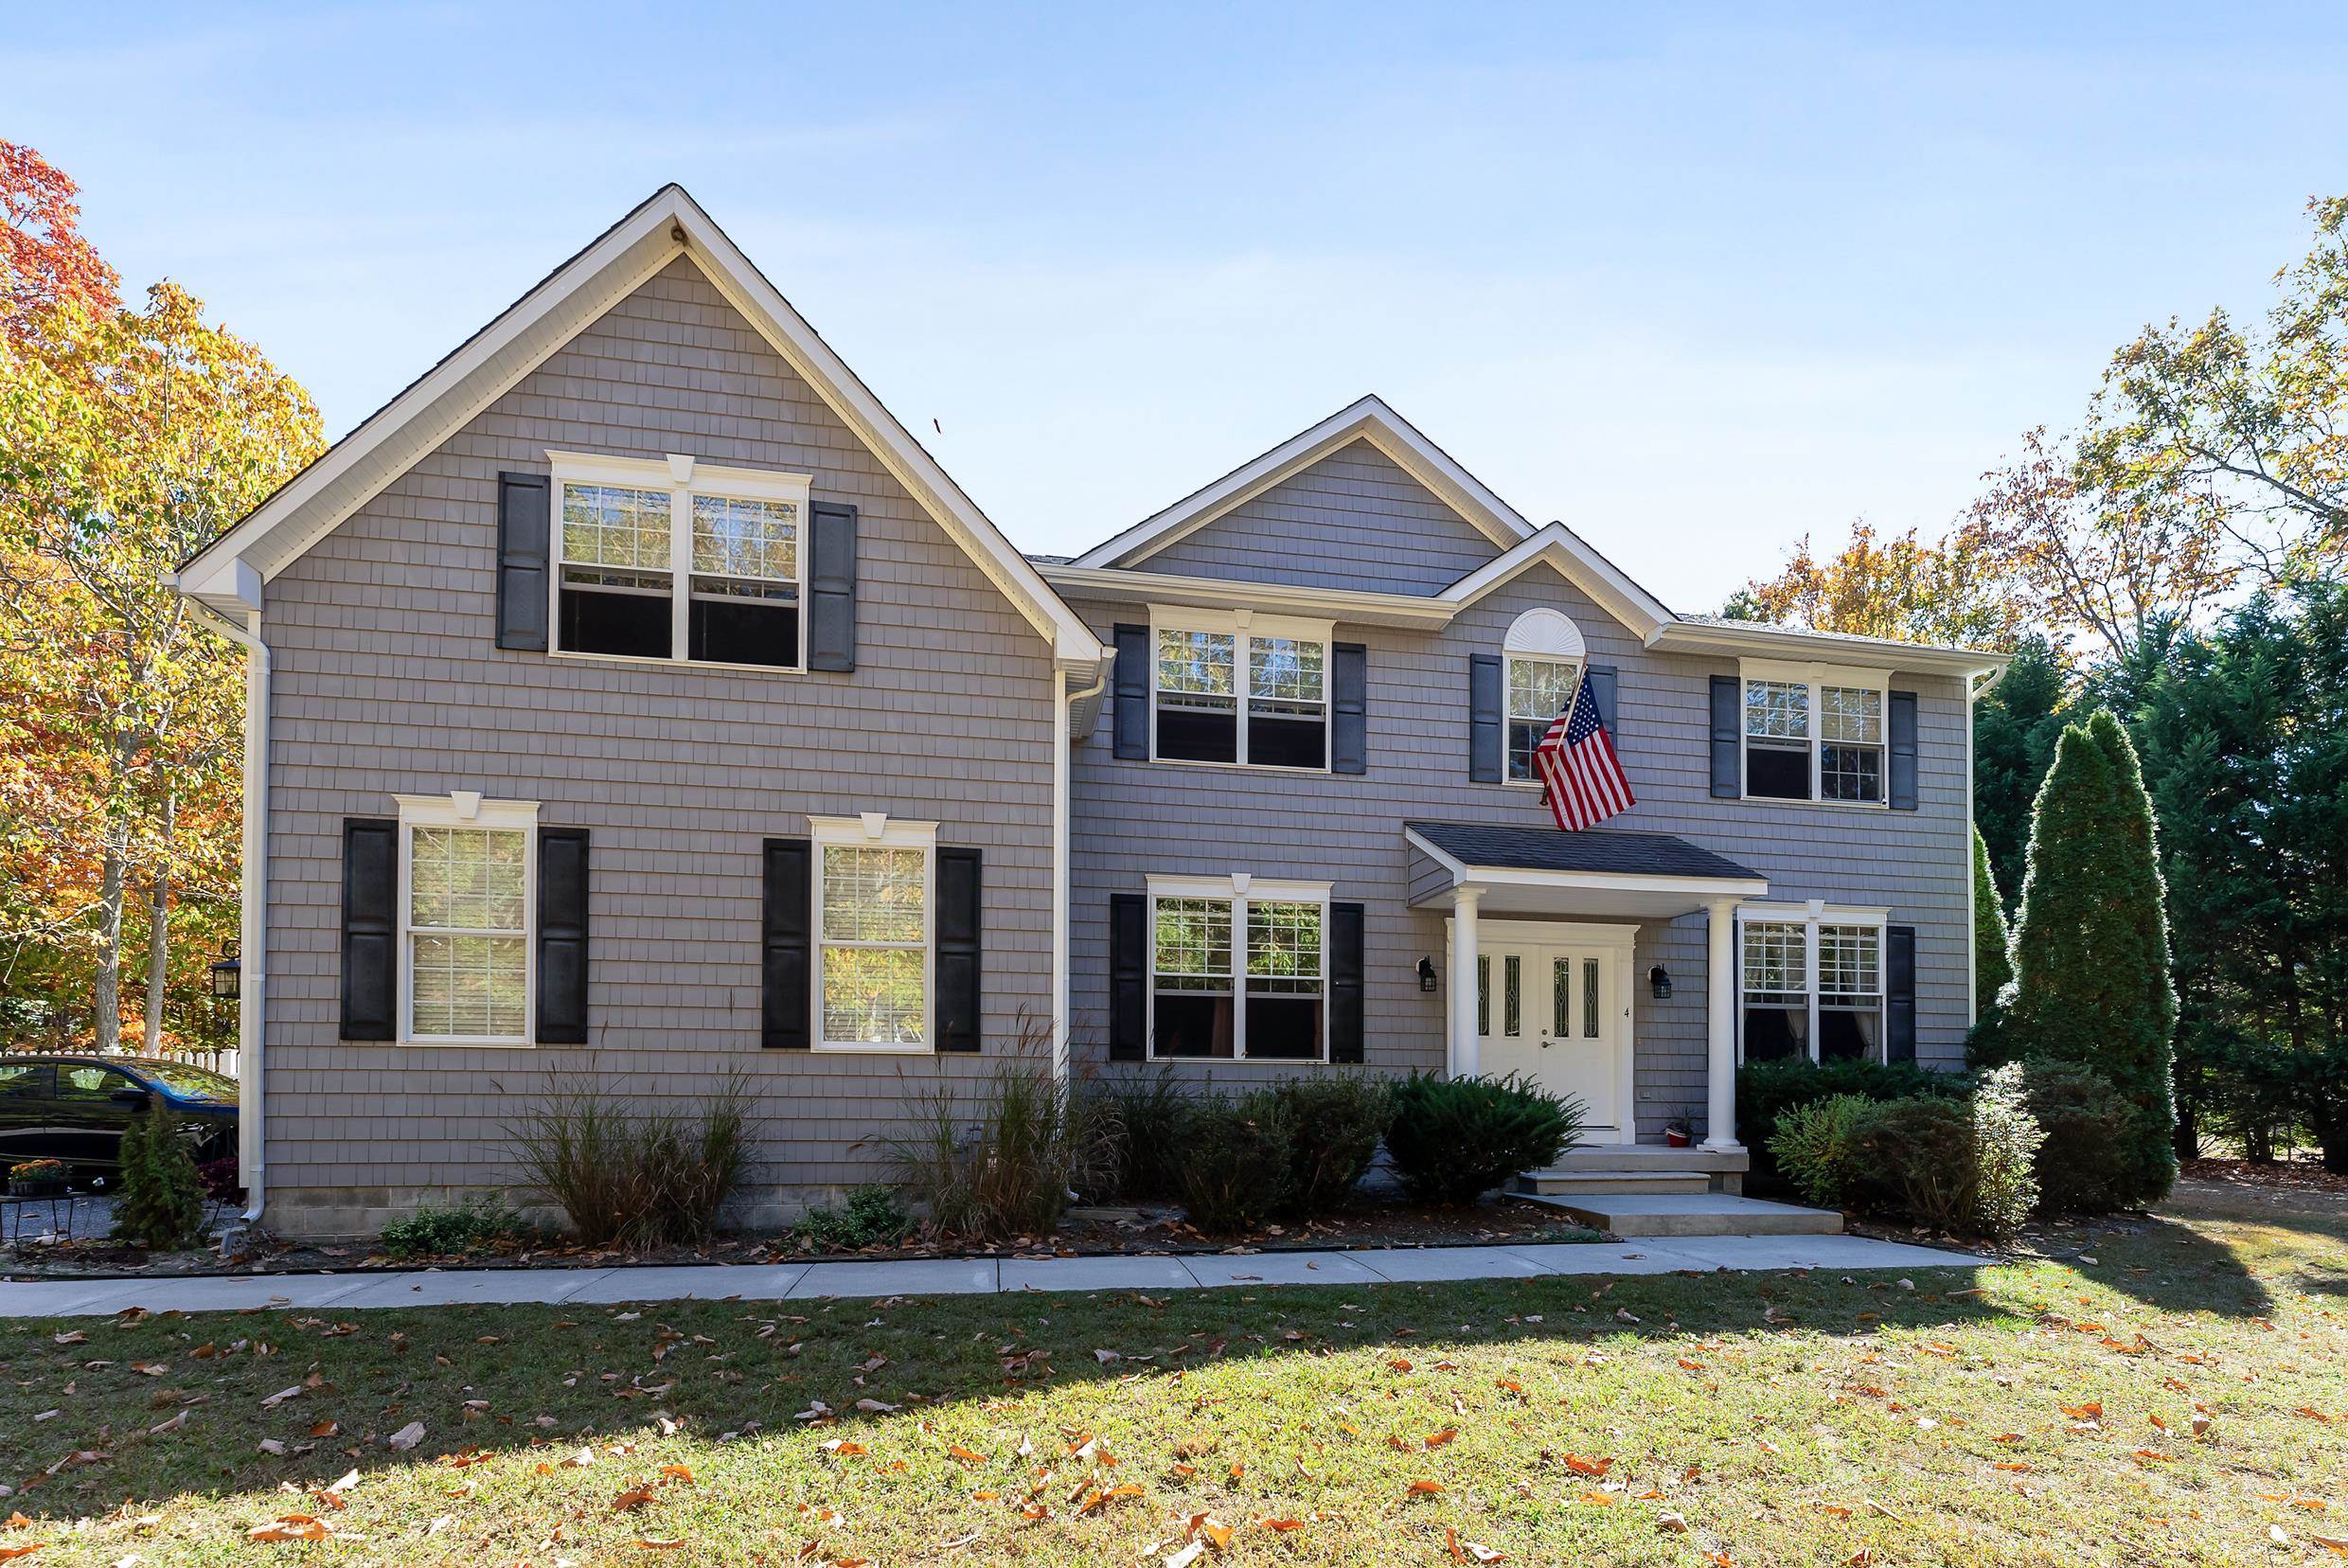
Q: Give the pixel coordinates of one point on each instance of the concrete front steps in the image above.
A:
(1647, 1189)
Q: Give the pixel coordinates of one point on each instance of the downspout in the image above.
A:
(1062, 767)
(252, 934)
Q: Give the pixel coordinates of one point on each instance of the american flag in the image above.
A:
(1581, 778)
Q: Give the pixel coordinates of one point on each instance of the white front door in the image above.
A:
(1550, 1009)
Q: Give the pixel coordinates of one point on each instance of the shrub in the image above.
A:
(2088, 1125)
(1816, 1147)
(634, 1179)
(161, 1203)
(1961, 1166)
(1237, 1160)
(1455, 1139)
(446, 1232)
(1767, 1090)
(1004, 1167)
(2092, 982)
(1334, 1125)
(1141, 1120)
(873, 1214)
(2006, 1139)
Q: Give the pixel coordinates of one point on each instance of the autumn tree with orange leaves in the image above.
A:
(128, 438)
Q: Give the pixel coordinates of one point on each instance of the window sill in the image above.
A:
(1830, 805)
(1247, 767)
(1239, 1061)
(442, 1044)
(642, 663)
(836, 1047)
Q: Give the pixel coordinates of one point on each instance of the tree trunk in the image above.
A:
(2188, 1131)
(159, 932)
(106, 1000)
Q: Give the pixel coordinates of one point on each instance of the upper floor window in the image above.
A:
(1238, 972)
(1813, 986)
(1814, 734)
(1239, 689)
(1545, 657)
(680, 560)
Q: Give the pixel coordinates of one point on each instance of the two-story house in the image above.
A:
(633, 696)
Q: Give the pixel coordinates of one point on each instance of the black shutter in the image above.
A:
(1129, 976)
(1485, 724)
(958, 950)
(562, 936)
(1132, 723)
(370, 928)
(783, 946)
(1728, 737)
(831, 586)
(522, 544)
(1899, 993)
(1349, 704)
(1345, 982)
(1902, 793)
(1602, 688)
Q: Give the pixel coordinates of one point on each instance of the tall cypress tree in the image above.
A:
(1993, 964)
(2090, 949)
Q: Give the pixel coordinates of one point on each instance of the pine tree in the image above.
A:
(2090, 949)
(1993, 963)
(161, 1207)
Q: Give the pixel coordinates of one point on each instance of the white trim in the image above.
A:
(1616, 943)
(1541, 633)
(874, 830)
(1741, 638)
(1489, 877)
(1560, 548)
(1366, 420)
(1061, 768)
(1575, 667)
(1353, 607)
(684, 479)
(1811, 914)
(467, 809)
(1244, 626)
(1240, 890)
(1814, 677)
(668, 225)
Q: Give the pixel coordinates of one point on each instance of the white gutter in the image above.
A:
(253, 934)
(1070, 702)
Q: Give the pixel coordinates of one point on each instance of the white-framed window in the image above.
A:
(1238, 687)
(679, 559)
(876, 882)
(1239, 969)
(1815, 732)
(467, 920)
(1810, 982)
(1543, 657)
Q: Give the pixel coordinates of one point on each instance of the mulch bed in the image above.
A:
(1135, 1230)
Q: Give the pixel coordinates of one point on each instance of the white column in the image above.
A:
(1720, 1024)
(1464, 1052)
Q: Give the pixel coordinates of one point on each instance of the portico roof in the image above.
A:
(1598, 872)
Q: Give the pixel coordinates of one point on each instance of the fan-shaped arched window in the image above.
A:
(1545, 656)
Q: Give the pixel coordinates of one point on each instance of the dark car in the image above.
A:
(74, 1109)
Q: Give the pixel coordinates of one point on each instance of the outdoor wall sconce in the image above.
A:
(1425, 974)
(228, 977)
(1659, 980)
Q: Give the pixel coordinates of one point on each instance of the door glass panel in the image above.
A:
(1484, 994)
(1589, 999)
(1511, 966)
(1560, 1006)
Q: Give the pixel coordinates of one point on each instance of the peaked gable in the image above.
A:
(227, 575)
(1354, 517)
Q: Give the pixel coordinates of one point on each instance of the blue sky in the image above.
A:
(1693, 280)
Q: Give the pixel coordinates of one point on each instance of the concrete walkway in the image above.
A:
(958, 1276)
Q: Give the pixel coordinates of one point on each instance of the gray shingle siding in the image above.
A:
(1134, 818)
(387, 681)
(1312, 529)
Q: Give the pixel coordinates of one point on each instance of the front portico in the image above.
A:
(1542, 929)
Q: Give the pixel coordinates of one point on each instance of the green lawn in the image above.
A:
(1749, 1419)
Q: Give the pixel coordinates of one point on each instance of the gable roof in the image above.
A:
(1368, 419)
(227, 575)
(1557, 545)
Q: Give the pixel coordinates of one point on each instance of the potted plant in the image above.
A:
(1678, 1134)
(37, 1179)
